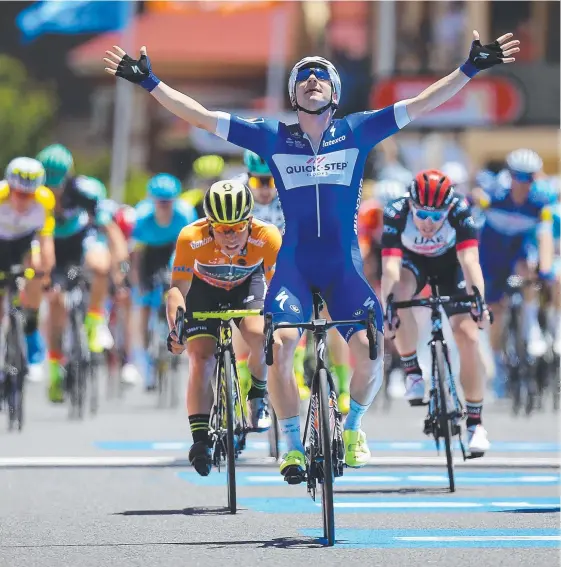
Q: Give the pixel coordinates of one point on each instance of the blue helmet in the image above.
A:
(164, 186)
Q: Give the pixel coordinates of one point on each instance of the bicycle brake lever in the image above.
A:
(180, 324)
(268, 332)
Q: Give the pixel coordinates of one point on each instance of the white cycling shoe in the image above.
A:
(478, 443)
(414, 389)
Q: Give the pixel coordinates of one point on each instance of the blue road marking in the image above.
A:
(430, 538)
(402, 504)
(385, 477)
(376, 446)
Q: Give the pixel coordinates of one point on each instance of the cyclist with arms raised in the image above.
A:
(430, 232)
(223, 260)
(317, 165)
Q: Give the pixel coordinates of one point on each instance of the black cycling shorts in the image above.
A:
(151, 260)
(445, 269)
(14, 251)
(205, 297)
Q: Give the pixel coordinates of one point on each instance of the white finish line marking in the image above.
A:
(173, 461)
(480, 538)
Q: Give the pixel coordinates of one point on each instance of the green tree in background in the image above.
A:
(27, 111)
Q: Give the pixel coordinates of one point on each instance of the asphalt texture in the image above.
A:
(115, 489)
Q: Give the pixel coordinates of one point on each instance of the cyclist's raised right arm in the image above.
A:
(251, 134)
(185, 107)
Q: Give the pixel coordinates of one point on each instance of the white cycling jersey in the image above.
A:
(271, 212)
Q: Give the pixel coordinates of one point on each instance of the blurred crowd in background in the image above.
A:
(53, 88)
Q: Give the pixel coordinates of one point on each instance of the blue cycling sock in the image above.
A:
(354, 417)
(290, 428)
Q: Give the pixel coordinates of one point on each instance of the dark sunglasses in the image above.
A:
(521, 176)
(319, 73)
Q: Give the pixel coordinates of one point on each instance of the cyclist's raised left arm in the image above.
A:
(480, 57)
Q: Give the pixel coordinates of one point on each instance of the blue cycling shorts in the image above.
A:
(340, 281)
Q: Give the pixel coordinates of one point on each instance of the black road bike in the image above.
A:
(228, 425)
(445, 410)
(323, 434)
(13, 347)
(82, 368)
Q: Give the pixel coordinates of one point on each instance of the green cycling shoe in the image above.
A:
(56, 382)
(357, 453)
(293, 467)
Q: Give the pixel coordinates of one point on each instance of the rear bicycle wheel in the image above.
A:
(444, 421)
(230, 440)
(326, 436)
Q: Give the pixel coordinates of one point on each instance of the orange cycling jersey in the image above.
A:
(196, 254)
(370, 223)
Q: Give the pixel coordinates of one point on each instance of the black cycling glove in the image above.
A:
(138, 71)
(482, 57)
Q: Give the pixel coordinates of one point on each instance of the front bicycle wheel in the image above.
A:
(230, 445)
(444, 420)
(273, 435)
(326, 436)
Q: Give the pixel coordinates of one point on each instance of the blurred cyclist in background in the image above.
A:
(206, 171)
(26, 237)
(83, 220)
(515, 204)
(159, 220)
(125, 217)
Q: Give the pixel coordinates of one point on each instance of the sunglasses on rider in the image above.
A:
(319, 73)
(521, 176)
(434, 216)
(256, 182)
(23, 195)
(236, 227)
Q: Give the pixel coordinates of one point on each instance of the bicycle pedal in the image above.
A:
(294, 475)
(417, 403)
(474, 455)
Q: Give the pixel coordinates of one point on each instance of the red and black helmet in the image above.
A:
(431, 188)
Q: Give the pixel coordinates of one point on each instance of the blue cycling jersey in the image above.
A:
(320, 190)
(148, 232)
(510, 229)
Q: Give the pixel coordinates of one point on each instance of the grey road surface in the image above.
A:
(116, 489)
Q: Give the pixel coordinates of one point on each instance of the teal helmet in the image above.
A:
(255, 164)
(58, 163)
(164, 187)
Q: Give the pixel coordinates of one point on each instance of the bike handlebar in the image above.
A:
(319, 325)
(435, 301)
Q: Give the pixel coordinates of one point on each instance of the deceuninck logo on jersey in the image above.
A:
(333, 168)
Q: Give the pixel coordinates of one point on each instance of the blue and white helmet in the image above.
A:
(524, 161)
(310, 62)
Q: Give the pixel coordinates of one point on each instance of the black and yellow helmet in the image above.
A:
(228, 202)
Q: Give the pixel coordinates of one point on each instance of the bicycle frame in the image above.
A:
(324, 450)
(457, 412)
(227, 425)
